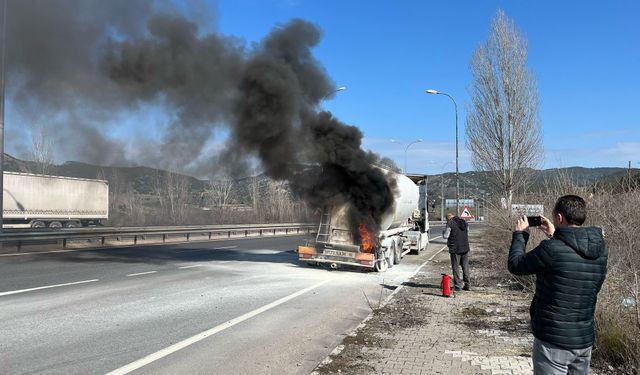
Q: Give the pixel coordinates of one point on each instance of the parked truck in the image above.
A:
(41, 201)
(402, 230)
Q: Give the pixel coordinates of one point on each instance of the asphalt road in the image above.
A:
(230, 307)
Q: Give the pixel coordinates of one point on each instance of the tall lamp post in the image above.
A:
(406, 149)
(442, 190)
(435, 92)
(3, 30)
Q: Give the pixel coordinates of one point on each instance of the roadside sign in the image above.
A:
(466, 213)
(527, 209)
(449, 203)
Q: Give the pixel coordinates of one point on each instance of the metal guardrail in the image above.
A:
(64, 236)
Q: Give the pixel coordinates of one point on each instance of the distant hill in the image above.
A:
(474, 183)
(471, 183)
(141, 178)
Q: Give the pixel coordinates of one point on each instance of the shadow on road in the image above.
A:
(273, 250)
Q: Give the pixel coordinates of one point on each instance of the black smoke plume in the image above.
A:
(82, 62)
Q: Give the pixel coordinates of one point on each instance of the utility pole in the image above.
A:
(442, 199)
(3, 30)
(455, 106)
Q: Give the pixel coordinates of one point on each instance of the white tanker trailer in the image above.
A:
(40, 201)
(404, 229)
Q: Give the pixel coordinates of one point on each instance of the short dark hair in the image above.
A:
(573, 208)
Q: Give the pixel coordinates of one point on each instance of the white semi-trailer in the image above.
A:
(41, 201)
(405, 228)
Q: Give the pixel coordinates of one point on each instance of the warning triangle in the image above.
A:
(466, 213)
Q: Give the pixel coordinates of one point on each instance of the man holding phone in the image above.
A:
(570, 268)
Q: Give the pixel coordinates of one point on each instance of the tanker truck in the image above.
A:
(41, 201)
(404, 229)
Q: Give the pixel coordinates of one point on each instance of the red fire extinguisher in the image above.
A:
(445, 284)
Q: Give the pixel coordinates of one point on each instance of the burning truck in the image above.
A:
(402, 229)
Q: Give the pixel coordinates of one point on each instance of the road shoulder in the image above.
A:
(484, 331)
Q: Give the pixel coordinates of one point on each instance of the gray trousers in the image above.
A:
(463, 261)
(550, 359)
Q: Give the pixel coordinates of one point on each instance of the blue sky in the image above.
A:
(585, 55)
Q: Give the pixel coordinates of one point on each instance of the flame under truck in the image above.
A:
(404, 229)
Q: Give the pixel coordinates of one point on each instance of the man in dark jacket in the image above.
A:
(457, 236)
(570, 268)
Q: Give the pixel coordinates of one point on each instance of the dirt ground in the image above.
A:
(493, 317)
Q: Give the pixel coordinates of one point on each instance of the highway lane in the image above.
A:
(147, 299)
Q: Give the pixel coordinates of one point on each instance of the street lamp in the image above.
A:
(435, 92)
(442, 190)
(3, 30)
(406, 149)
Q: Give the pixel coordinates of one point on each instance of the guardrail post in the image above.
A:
(188, 236)
(19, 245)
(246, 233)
(286, 230)
(164, 238)
(135, 239)
(102, 241)
(209, 235)
(274, 232)
(64, 243)
(260, 232)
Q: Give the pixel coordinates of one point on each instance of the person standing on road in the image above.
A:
(457, 235)
(570, 268)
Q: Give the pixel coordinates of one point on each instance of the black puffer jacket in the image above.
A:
(570, 269)
(458, 240)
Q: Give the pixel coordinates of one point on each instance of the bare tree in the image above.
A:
(42, 150)
(172, 190)
(503, 127)
(278, 203)
(219, 192)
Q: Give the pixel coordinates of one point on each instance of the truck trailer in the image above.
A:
(404, 229)
(42, 201)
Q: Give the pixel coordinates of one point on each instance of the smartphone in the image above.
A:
(534, 221)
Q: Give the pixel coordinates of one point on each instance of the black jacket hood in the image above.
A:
(588, 242)
(462, 224)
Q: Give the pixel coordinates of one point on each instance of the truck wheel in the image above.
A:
(390, 255)
(38, 224)
(396, 253)
(382, 264)
(55, 225)
(418, 248)
(72, 224)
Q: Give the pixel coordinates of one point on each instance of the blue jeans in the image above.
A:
(549, 359)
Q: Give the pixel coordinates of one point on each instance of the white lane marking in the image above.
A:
(434, 255)
(208, 333)
(36, 252)
(192, 266)
(46, 287)
(141, 273)
(435, 238)
(396, 290)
